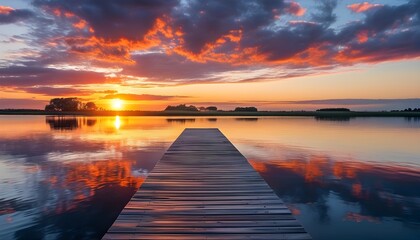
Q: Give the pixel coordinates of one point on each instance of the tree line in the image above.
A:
(75, 104)
(192, 108)
(70, 105)
(408, 110)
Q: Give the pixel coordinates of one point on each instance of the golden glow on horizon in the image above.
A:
(360, 83)
(117, 104)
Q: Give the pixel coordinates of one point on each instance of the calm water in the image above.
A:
(342, 178)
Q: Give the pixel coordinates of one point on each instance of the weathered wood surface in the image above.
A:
(203, 188)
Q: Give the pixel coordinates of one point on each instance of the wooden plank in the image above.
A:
(203, 188)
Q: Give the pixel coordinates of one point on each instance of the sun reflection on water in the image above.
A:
(117, 122)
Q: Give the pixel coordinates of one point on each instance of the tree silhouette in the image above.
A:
(90, 106)
(246, 109)
(70, 105)
(211, 108)
(64, 105)
(182, 107)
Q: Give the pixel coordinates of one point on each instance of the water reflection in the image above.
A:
(180, 120)
(71, 196)
(336, 118)
(62, 123)
(247, 119)
(370, 193)
(68, 122)
(63, 185)
(358, 180)
(117, 122)
(375, 188)
(412, 119)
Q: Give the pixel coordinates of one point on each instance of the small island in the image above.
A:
(333, 110)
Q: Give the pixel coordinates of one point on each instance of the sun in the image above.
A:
(117, 104)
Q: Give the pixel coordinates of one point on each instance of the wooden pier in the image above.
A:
(203, 188)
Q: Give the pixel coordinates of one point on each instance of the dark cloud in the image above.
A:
(22, 103)
(27, 76)
(215, 30)
(286, 43)
(56, 91)
(140, 97)
(163, 67)
(113, 20)
(387, 32)
(196, 41)
(382, 19)
(160, 68)
(10, 15)
(325, 12)
(205, 23)
(235, 32)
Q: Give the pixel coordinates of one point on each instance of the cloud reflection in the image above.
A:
(66, 184)
(380, 190)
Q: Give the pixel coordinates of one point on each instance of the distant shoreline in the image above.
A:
(331, 114)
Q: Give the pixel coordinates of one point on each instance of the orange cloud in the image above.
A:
(210, 50)
(363, 36)
(316, 55)
(69, 14)
(116, 51)
(101, 49)
(5, 10)
(362, 7)
(295, 9)
(160, 27)
(80, 24)
(213, 51)
(60, 13)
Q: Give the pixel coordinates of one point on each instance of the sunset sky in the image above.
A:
(272, 54)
